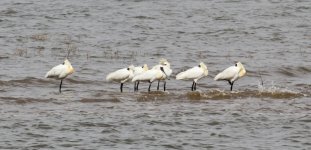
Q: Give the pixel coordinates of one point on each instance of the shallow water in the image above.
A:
(270, 37)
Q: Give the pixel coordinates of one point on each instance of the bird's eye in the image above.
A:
(236, 65)
(63, 63)
(199, 65)
(128, 68)
(142, 67)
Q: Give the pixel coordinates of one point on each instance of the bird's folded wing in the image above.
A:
(227, 74)
(189, 74)
(56, 72)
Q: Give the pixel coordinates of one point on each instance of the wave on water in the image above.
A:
(22, 100)
(27, 80)
(271, 92)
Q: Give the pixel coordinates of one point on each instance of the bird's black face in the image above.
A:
(162, 69)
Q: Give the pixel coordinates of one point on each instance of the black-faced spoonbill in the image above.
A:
(151, 75)
(60, 72)
(121, 76)
(232, 74)
(194, 74)
(167, 69)
(138, 70)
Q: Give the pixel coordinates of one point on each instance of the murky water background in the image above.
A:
(270, 37)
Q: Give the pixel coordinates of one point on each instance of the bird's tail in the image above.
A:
(180, 76)
(109, 77)
(135, 78)
(46, 75)
(218, 77)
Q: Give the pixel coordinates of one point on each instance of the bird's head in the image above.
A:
(145, 67)
(203, 66)
(131, 67)
(164, 62)
(166, 76)
(68, 64)
(242, 70)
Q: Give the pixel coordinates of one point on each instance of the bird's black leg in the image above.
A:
(232, 85)
(134, 86)
(195, 86)
(137, 86)
(149, 86)
(121, 87)
(158, 85)
(192, 86)
(60, 86)
(164, 86)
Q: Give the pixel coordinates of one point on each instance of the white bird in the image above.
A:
(150, 76)
(138, 70)
(232, 74)
(194, 74)
(60, 72)
(167, 69)
(121, 76)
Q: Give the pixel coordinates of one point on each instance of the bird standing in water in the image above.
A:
(167, 69)
(232, 74)
(151, 75)
(194, 74)
(138, 70)
(121, 76)
(60, 72)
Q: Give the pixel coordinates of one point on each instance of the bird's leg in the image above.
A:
(164, 86)
(192, 86)
(121, 87)
(158, 85)
(134, 86)
(149, 86)
(231, 85)
(195, 86)
(137, 86)
(60, 86)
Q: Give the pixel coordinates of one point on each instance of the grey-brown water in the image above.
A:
(270, 37)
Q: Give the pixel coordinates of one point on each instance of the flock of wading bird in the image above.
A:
(160, 72)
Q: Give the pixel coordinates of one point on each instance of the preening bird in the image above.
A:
(138, 70)
(150, 76)
(60, 72)
(121, 76)
(194, 74)
(167, 68)
(232, 74)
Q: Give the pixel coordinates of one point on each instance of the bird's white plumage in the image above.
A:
(121, 75)
(60, 71)
(190, 74)
(150, 76)
(166, 67)
(232, 73)
(139, 70)
(194, 73)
